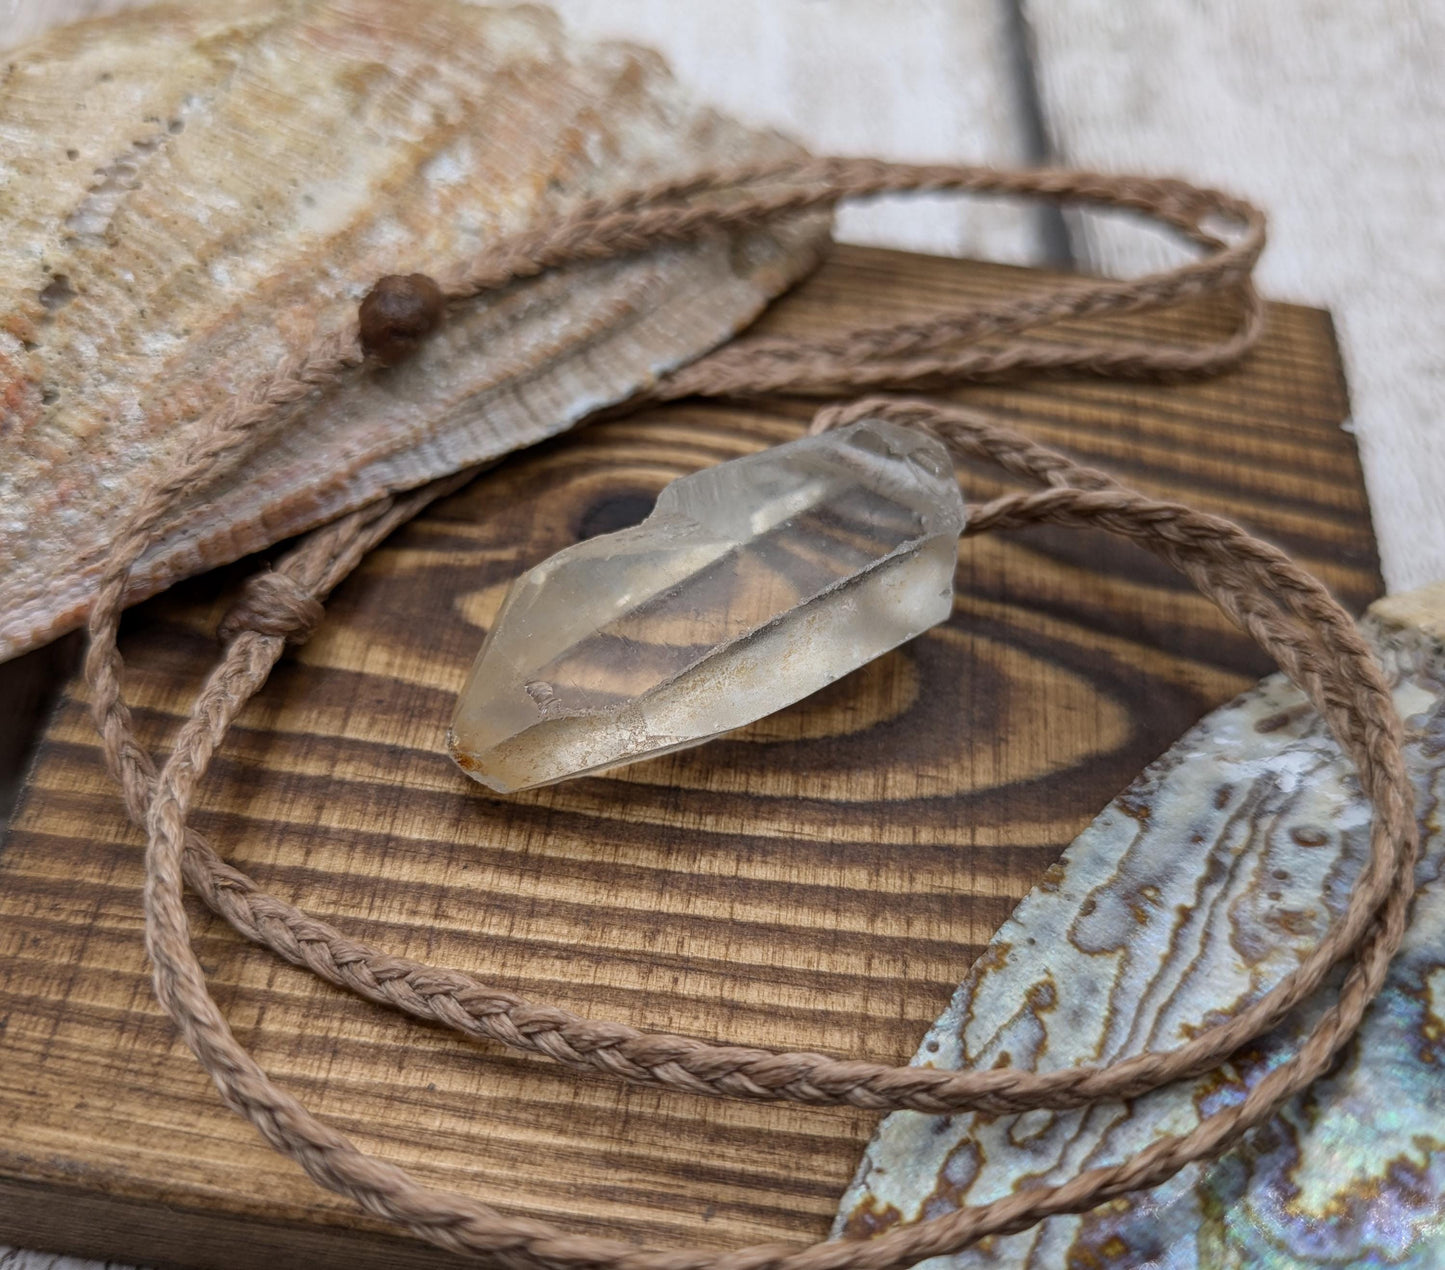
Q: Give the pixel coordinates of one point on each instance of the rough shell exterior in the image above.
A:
(1191, 895)
(188, 191)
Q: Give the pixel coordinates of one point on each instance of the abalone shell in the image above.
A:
(189, 191)
(1191, 895)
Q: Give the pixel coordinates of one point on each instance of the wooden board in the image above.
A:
(820, 881)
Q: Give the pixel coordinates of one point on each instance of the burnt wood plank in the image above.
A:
(820, 881)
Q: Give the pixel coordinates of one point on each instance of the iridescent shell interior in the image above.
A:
(1191, 895)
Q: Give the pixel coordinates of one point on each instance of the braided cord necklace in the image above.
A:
(1282, 607)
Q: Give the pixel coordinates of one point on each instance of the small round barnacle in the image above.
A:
(398, 313)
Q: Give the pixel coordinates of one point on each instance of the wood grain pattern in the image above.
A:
(821, 880)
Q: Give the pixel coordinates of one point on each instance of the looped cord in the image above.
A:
(272, 604)
(1281, 606)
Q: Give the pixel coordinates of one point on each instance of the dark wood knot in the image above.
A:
(397, 314)
(272, 604)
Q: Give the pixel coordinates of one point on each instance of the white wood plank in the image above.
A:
(928, 80)
(1331, 115)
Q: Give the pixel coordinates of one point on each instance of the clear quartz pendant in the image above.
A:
(751, 585)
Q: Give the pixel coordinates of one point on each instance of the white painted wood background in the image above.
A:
(1330, 113)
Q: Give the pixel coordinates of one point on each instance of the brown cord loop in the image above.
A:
(1281, 606)
(272, 604)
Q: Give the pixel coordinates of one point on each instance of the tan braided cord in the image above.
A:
(1282, 607)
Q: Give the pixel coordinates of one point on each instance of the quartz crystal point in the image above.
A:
(751, 585)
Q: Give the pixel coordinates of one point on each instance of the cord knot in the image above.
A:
(272, 604)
